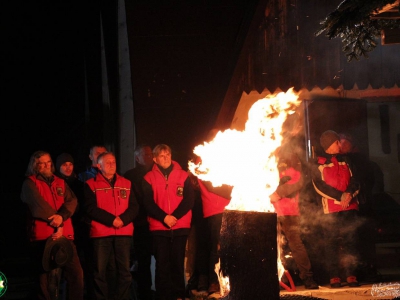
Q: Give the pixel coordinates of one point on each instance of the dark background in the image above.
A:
(181, 56)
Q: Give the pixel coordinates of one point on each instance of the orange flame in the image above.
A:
(223, 281)
(245, 159)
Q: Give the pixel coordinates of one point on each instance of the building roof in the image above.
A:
(282, 51)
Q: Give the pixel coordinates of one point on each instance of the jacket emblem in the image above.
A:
(60, 191)
(179, 191)
(123, 194)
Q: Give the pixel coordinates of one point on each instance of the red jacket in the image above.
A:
(332, 177)
(288, 205)
(168, 194)
(110, 203)
(212, 203)
(54, 196)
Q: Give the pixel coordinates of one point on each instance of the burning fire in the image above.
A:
(245, 159)
(223, 280)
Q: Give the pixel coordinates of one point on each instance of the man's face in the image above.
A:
(44, 164)
(334, 148)
(96, 152)
(345, 146)
(108, 166)
(163, 159)
(145, 157)
(67, 168)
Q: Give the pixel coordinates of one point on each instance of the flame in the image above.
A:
(281, 269)
(223, 281)
(245, 159)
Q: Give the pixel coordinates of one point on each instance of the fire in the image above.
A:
(223, 281)
(245, 159)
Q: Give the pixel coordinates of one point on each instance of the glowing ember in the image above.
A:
(223, 280)
(245, 159)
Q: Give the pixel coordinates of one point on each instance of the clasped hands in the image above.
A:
(55, 220)
(170, 220)
(345, 200)
(117, 223)
(58, 233)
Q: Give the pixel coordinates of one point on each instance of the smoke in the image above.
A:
(314, 223)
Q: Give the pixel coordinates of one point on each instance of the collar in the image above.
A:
(166, 171)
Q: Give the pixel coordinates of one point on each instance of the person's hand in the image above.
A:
(55, 220)
(345, 200)
(170, 220)
(58, 233)
(117, 223)
(274, 197)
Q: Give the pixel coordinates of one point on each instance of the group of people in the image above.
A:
(94, 214)
(110, 220)
(97, 212)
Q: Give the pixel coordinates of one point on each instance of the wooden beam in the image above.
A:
(390, 36)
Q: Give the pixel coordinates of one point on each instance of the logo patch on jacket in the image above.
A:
(60, 191)
(123, 194)
(179, 191)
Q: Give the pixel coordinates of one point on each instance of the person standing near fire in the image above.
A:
(50, 204)
(111, 207)
(286, 203)
(208, 228)
(333, 181)
(141, 236)
(65, 169)
(168, 199)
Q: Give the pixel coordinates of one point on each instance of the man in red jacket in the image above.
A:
(286, 202)
(207, 233)
(111, 207)
(168, 199)
(51, 203)
(333, 180)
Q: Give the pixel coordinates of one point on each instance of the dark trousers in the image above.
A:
(290, 225)
(340, 234)
(207, 252)
(48, 282)
(366, 245)
(142, 243)
(118, 249)
(169, 253)
(83, 247)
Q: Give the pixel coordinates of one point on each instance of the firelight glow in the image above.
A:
(245, 159)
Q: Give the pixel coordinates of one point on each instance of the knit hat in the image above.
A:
(328, 138)
(63, 158)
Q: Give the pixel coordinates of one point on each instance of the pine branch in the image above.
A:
(351, 22)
